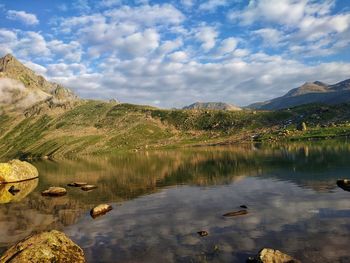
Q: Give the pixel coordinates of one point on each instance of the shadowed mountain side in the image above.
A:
(316, 92)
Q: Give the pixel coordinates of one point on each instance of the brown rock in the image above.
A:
(88, 187)
(100, 210)
(236, 213)
(54, 191)
(269, 255)
(47, 247)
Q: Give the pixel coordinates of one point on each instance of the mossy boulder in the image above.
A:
(16, 170)
(52, 246)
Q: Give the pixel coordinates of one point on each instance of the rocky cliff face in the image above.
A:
(21, 89)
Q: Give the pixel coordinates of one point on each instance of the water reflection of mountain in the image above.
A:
(124, 177)
(127, 176)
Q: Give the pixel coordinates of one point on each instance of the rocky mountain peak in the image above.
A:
(21, 88)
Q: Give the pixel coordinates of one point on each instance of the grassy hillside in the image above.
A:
(95, 127)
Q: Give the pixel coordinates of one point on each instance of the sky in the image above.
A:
(173, 53)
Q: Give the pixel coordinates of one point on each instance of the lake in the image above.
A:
(161, 199)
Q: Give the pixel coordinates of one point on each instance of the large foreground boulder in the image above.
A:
(269, 255)
(52, 246)
(16, 170)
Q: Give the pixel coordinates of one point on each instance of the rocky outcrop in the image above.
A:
(269, 255)
(24, 90)
(52, 246)
(16, 171)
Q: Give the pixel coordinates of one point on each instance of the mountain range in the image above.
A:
(309, 92)
(41, 118)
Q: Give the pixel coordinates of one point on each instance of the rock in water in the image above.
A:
(236, 213)
(54, 191)
(16, 171)
(203, 233)
(344, 184)
(100, 210)
(269, 255)
(47, 247)
(88, 187)
(77, 184)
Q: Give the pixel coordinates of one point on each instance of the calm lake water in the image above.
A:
(161, 199)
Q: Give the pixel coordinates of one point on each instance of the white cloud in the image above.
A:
(187, 3)
(207, 35)
(31, 44)
(178, 56)
(212, 5)
(147, 15)
(228, 45)
(270, 36)
(66, 51)
(109, 3)
(22, 16)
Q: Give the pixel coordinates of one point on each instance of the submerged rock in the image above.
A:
(47, 247)
(269, 255)
(100, 210)
(54, 191)
(16, 171)
(77, 184)
(243, 206)
(236, 213)
(344, 184)
(88, 187)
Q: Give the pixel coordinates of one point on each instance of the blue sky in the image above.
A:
(173, 53)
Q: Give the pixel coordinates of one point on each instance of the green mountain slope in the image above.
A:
(65, 125)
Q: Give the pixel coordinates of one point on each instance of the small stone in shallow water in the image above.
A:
(243, 206)
(88, 187)
(100, 210)
(202, 233)
(269, 255)
(236, 213)
(77, 184)
(54, 191)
